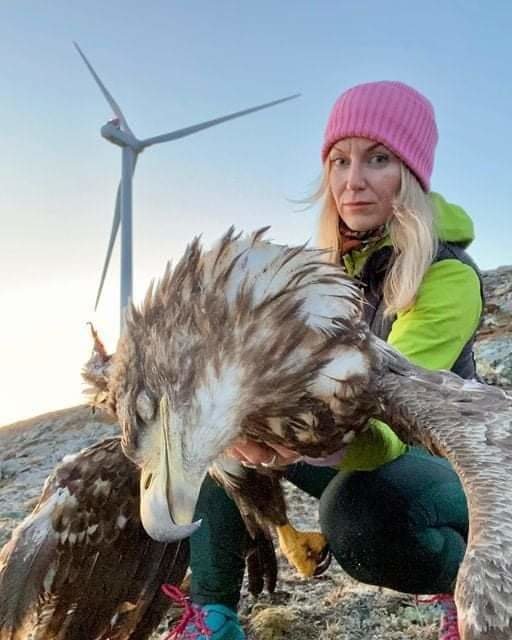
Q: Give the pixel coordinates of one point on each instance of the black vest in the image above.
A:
(372, 277)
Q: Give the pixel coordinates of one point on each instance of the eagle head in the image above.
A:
(223, 338)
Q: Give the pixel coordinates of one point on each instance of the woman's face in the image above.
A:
(364, 178)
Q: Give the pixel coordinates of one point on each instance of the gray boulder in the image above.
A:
(493, 349)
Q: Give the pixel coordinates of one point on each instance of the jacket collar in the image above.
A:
(355, 260)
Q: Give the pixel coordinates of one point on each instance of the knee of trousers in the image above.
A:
(378, 537)
(362, 522)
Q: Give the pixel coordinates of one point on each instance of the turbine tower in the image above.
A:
(118, 132)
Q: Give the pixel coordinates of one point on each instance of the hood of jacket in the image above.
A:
(452, 223)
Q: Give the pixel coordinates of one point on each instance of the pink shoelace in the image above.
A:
(192, 614)
(449, 623)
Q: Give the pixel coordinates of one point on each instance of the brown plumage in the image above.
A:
(264, 341)
(81, 565)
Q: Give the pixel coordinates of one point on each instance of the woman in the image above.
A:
(394, 516)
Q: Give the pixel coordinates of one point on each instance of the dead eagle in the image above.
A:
(257, 340)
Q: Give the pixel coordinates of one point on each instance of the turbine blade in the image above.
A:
(181, 133)
(113, 104)
(113, 235)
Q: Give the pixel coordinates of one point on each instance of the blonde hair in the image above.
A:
(412, 233)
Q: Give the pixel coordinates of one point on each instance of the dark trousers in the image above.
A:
(401, 526)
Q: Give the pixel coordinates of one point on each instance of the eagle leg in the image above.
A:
(260, 499)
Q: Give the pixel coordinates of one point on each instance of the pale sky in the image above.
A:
(171, 64)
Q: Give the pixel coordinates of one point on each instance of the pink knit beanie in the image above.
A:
(391, 113)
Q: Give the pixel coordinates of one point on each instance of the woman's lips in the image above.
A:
(356, 205)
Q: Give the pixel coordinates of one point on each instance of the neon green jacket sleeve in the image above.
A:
(431, 334)
(444, 317)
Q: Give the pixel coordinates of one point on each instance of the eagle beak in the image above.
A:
(168, 498)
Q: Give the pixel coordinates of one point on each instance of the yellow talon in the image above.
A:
(303, 549)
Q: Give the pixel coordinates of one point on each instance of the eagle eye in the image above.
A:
(145, 406)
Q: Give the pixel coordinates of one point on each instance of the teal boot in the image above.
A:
(203, 622)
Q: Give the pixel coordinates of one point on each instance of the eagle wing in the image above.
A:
(81, 565)
(471, 425)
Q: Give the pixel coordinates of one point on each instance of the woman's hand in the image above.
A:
(250, 452)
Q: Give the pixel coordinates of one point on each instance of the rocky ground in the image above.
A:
(331, 607)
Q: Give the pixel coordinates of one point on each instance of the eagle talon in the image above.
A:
(305, 550)
(325, 561)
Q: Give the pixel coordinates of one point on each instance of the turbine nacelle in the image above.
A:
(113, 133)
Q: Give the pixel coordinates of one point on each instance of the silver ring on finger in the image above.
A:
(271, 462)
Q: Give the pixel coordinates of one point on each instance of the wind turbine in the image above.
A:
(118, 132)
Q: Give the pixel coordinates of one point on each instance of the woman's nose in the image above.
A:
(356, 178)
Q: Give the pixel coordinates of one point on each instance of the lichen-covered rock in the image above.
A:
(493, 349)
(494, 360)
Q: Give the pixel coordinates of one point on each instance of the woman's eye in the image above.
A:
(379, 159)
(339, 162)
